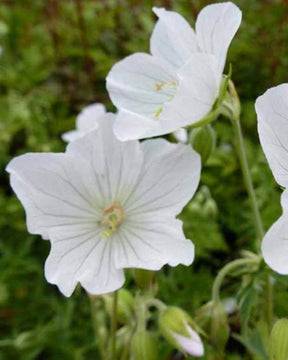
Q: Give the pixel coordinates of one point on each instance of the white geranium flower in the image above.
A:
(86, 121)
(272, 111)
(107, 205)
(178, 84)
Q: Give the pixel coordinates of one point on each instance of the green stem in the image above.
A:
(96, 325)
(247, 179)
(268, 302)
(114, 324)
(158, 304)
(225, 271)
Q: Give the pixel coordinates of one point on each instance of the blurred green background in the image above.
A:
(56, 54)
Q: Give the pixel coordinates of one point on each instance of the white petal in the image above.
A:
(133, 84)
(196, 93)
(72, 135)
(160, 187)
(115, 165)
(216, 26)
(181, 135)
(275, 242)
(52, 191)
(173, 39)
(272, 111)
(131, 126)
(86, 257)
(149, 242)
(87, 120)
(192, 345)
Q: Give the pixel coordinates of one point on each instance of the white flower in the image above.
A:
(272, 111)
(107, 205)
(191, 345)
(178, 84)
(86, 121)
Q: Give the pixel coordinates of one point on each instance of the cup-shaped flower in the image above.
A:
(86, 121)
(178, 84)
(107, 205)
(272, 112)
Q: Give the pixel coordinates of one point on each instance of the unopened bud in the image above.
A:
(279, 340)
(176, 326)
(144, 346)
(219, 327)
(203, 140)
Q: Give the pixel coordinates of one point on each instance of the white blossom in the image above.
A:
(178, 84)
(107, 205)
(272, 111)
(86, 121)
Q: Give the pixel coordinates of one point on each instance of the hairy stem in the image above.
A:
(225, 271)
(268, 301)
(247, 179)
(114, 324)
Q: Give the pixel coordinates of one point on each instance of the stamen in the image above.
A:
(112, 217)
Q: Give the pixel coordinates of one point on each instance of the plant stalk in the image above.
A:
(114, 324)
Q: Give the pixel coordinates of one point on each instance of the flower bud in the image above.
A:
(176, 326)
(143, 278)
(219, 327)
(279, 340)
(203, 140)
(144, 346)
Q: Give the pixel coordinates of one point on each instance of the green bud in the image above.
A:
(144, 346)
(279, 340)
(203, 140)
(143, 278)
(219, 327)
(179, 330)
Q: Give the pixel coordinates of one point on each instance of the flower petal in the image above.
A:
(216, 26)
(275, 242)
(272, 112)
(191, 345)
(173, 40)
(131, 126)
(200, 81)
(149, 242)
(84, 257)
(86, 121)
(88, 117)
(52, 191)
(160, 187)
(136, 84)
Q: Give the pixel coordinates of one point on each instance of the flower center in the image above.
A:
(112, 217)
(170, 88)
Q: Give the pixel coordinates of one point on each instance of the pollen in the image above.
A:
(159, 86)
(112, 217)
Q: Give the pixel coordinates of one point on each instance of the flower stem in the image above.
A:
(225, 271)
(247, 179)
(268, 301)
(114, 324)
(99, 335)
